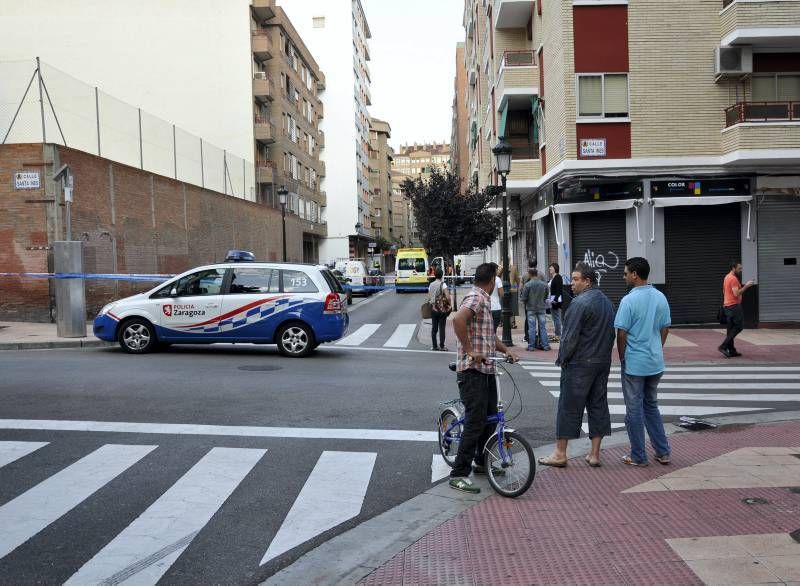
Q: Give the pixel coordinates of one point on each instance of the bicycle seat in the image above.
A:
(452, 366)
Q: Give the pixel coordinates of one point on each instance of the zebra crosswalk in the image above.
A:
(698, 390)
(151, 543)
(375, 336)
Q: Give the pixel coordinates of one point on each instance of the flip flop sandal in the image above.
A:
(552, 463)
(592, 463)
(627, 460)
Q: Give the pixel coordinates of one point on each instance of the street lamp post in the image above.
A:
(502, 154)
(282, 194)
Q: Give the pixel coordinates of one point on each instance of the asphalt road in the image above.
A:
(358, 389)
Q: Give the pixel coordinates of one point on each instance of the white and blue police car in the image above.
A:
(296, 306)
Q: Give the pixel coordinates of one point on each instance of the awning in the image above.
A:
(541, 214)
(714, 200)
(501, 130)
(596, 206)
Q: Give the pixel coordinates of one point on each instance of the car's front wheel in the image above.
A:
(137, 336)
(295, 340)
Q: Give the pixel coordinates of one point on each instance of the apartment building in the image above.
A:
(459, 153)
(404, 229)
(381, 156)
(663, 130)
(287, 112)
(337, 33)
(418, 159)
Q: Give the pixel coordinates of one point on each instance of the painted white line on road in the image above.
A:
(332, 494)
(146, 548)
(10, 451)
(734, 379)
(359, 336)
(439, 468)
(721, 386)
(710, 368)
(403, 435)
(683, 409)
(402, 336)
(585, 426)
(745, 398)
(335, 347)
(366, 301)
(32, 511)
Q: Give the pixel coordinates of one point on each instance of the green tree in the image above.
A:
(450, 221)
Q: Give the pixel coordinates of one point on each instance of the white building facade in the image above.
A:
(337, 34)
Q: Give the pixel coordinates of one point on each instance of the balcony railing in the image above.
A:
(519, 59)
(762, 112)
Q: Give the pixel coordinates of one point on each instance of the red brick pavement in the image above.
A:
(576, 527)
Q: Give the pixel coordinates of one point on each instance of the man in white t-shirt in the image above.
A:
(496, 296)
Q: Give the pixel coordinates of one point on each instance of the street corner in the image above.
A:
(724, 511)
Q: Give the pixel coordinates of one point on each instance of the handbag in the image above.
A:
(426, 310)
(721, 317)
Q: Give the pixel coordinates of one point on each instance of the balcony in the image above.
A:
(517, 78)
(263, 9)
(262, 87)
(265, 171)
(264, 130)
(770, 23)
(321, 140)
(262, 45)
(512, 13)
(767, 127)
(524, 173)
(762, 112)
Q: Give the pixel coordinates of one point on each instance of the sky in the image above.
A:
(413, 56)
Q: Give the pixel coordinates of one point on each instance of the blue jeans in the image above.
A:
(556, 314)
(537, 319)
(641, 411)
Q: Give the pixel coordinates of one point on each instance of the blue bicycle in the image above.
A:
(510, 463)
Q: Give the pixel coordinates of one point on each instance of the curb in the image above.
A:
(354, 554)
(54, 345)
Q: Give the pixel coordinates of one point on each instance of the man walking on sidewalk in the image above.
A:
(732, 291)
(642, 323)
(585, 360)
(534, 298)
(476, 378)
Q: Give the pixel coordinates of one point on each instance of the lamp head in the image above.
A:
(502, 154)
(282, 194)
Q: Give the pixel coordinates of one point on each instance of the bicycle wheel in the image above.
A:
(518, 467)
(449, 440)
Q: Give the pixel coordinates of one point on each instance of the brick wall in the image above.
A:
(23, 235)
(131, 222)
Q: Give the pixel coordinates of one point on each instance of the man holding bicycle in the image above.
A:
(476, 377)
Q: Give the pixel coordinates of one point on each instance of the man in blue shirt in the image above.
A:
(642, 323)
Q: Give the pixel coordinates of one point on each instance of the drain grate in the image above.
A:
(755, 500)
(259, 368)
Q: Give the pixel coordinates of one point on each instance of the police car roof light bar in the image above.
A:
(240, 256)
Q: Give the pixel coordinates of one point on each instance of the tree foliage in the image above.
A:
(450, 221)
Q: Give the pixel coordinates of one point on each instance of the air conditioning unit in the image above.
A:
(733, 60)
(260, 75)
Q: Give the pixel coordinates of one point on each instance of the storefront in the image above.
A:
(702, 234)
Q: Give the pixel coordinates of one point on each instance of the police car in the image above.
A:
(296, 306)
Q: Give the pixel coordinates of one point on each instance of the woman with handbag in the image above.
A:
(439, 299)
(556, 299)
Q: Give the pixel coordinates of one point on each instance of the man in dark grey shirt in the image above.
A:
(585, 360)
(534, 297)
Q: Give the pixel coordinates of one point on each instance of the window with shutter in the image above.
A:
(590, 95)
(616, 95)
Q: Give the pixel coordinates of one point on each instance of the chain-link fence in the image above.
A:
(39, 103)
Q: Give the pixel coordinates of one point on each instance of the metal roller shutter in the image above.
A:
(598, 238)
(699, 242)
(778, 255)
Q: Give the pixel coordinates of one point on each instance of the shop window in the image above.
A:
(603, 95)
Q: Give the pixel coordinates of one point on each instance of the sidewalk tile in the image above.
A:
(786, 567)
(744, 570)
(707, 548)
(769, 544)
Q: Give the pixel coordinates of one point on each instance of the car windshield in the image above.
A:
(411, 264)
